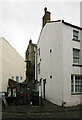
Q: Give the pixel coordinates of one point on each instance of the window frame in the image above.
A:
(73, 86)
(20, 78)
(13, 78)
(39, 68)
(16, 78)
(78, 57)
(39, 51)
(76, 35)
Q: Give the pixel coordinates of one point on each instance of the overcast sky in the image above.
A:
(21, 21)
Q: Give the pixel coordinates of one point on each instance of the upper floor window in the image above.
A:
(12, 78)
(38, 68)
(20, 78)
(28, 64)
(76, 35)
(76, 56)
(39, 51)
(17, 78)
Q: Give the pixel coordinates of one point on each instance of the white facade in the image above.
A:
(11, 65)
(56, 46)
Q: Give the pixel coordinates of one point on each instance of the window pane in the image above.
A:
(75, 37)
(75, 77)
(76, 88)
(72, 81)
(72, 84)
(71, 77)
(17, 78)
(20, 78)
(75, 33)
(76, 55)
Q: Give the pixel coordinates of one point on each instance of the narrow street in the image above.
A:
(47, 110)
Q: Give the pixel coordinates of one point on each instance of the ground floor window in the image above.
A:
(76, 83)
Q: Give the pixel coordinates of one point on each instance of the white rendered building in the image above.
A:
(59, 61)
(11, 65)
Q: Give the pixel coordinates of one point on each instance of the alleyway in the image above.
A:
(47, 110)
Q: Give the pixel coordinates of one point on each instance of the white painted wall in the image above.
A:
(51, 63)
(12, 64)
(58, 37)
(68, 69)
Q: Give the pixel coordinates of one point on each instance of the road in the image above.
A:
(46, 111)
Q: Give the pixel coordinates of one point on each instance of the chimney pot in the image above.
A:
(46, 17)
(45, 9)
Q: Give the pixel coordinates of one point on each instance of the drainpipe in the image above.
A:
(35, 53)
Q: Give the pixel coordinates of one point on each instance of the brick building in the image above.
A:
(30, 64)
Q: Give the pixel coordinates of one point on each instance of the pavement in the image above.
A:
(46, 111)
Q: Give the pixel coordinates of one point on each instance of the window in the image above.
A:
(50, 50)
(76, 83)
(13, 92)
(75, 35)
(17, 78)
(39, 51)
(12, 78)
(28, 64)
(20, 78)
(39, 68)
(50, 76)
(76, 56)
(72, 84)
(9, 92)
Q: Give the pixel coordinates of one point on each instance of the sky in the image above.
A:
(21, 20)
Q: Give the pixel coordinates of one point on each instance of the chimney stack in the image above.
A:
(46, 17)
(45, 9)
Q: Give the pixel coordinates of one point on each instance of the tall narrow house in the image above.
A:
(30, 64)
(59, 61)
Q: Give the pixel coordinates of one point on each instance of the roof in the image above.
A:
(35, 45)
(71, 25)
(66, 24)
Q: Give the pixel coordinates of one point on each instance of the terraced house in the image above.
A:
(59, 61)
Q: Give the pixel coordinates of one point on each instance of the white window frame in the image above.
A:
(76, 35)
(78, 84)
(76, 57)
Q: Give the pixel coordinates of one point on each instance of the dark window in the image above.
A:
(51, 76)
(76, 35)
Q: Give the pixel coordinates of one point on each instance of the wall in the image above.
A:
(12, 64)
(68, 68)
(59, 63)
(30, 68)
(51, 63)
